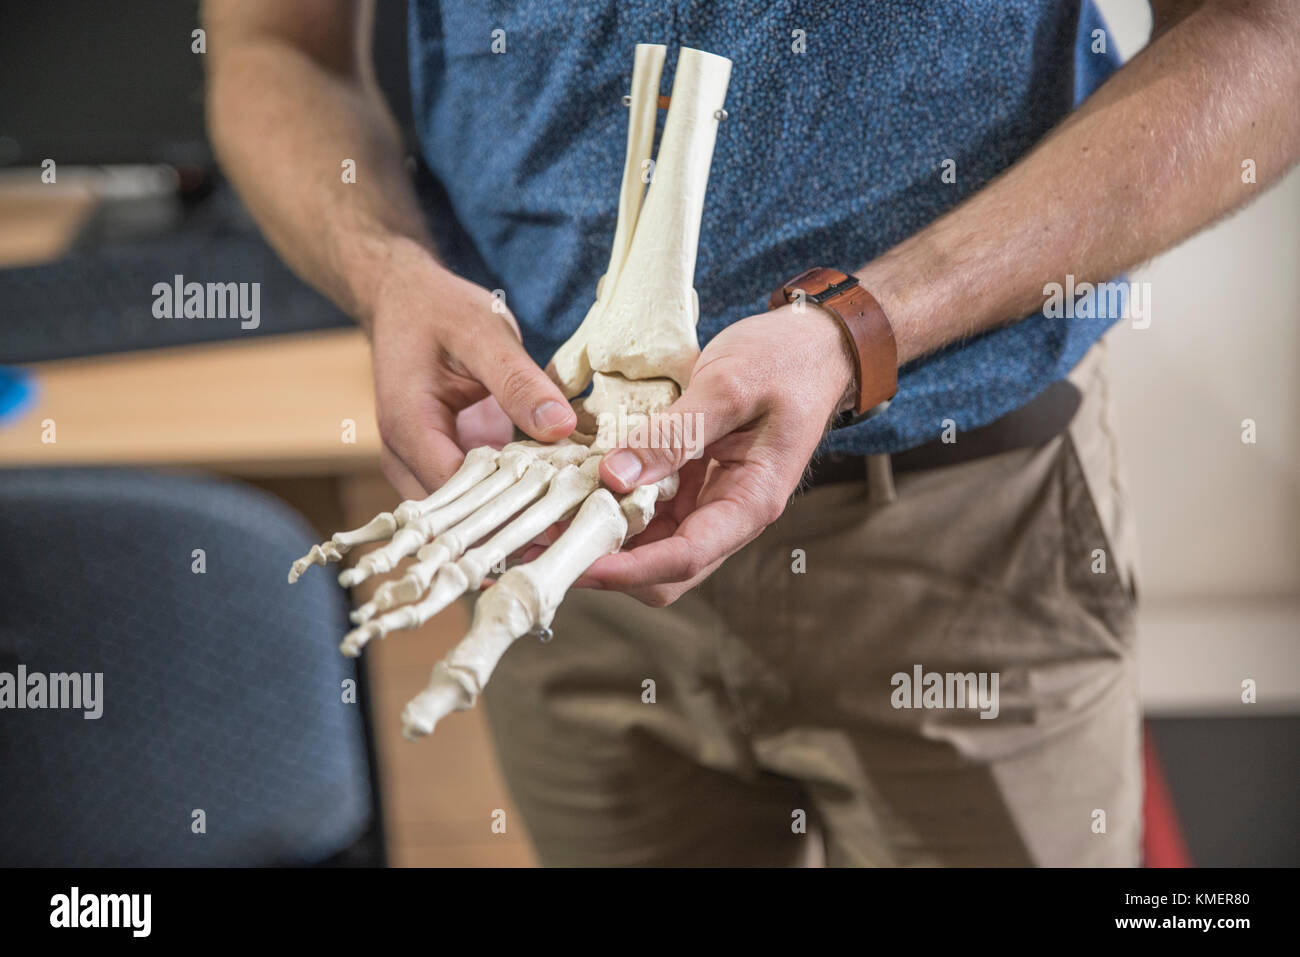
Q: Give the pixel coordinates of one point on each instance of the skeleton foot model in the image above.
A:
(635, 348)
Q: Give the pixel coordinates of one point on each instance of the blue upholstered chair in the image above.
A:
(224, 698)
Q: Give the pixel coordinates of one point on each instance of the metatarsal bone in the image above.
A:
(638, 505)
(568, 489)
(510, 465)
(479, 464)
(452, 543)
(522, 599)
(566, 452)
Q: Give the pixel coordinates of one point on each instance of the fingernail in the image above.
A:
(624, 466)
(550, 414)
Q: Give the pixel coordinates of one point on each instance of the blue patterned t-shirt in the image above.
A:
(842, 115)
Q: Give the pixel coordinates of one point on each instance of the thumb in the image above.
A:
(531, 400)
(713, 406)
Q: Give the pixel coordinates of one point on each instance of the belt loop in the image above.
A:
(880, 480)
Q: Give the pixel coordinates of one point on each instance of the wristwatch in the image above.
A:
(871, 337)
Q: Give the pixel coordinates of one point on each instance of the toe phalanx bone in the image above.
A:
(635, 348)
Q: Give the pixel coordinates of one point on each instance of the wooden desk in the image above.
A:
(271, 406)
(271, 411)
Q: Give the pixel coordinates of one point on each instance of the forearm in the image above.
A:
(283, 118)
(1149, 159)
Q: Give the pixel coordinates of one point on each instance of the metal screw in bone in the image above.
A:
(627, 99)
(544, 634)
(720, 115)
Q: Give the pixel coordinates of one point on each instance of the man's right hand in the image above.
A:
(290, 95)
(442, 346)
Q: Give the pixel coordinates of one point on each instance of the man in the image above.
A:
(927, 656)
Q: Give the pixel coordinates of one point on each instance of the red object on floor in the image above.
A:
(1162, 835)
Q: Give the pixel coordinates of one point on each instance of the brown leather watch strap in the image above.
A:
(871, 337)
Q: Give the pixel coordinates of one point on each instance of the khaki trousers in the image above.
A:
(756, 720)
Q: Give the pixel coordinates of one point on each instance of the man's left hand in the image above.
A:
(759, 399)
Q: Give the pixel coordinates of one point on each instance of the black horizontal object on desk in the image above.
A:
(100, 298)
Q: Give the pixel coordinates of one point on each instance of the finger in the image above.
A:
(497, 359)
(668, 515)
(431, 455)
(677, 558)
(714, 404)
(595, 575)
(483, 423)
(691, 479)
(737, 501)
(661, 596)
(709, 534)
(661, 526)
(399, 476)
(420, 429)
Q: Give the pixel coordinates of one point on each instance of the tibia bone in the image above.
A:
(644, 327)
(522, 599)
(569, 367)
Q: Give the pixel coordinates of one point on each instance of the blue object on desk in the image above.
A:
(16, 393)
